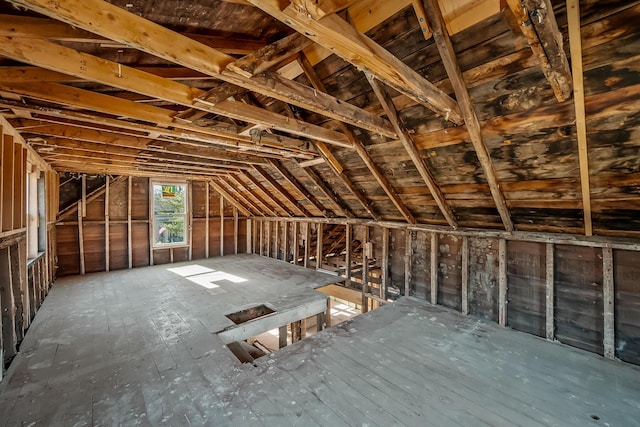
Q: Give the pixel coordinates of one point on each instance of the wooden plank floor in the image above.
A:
(136, 348)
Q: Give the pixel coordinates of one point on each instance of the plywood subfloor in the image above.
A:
(135, 348)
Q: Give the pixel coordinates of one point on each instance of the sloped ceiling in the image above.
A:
(360, 109)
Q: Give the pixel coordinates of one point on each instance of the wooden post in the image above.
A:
(267, 231)
(384, 280)
(327, 316)
(319, 322)
(408, 261)
(307, 237)
(190, 201)
(235, 230)
(276, 243)
(84, 195)
(285, 242)
(251, 238)
(206, 221)
(151, 233)
(434, 268)
(282, 336)
(550, 299)
(465, 275)
(502, 282)
(261, 253)
(365, 269)
(608, 302)
(80, 238)
(296, 232)
(319, 247)
(221, 225)
(106, 224)
(129, 223)
(8, 308)
(347, 260)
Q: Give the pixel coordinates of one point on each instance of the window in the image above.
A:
(169, 214)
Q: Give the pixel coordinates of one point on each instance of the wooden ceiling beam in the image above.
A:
(269, 57)
(117, 24)
(194, 136)
(74, 97)
(27, 26)
(538, 24)
(230, 189)
(362, 153)
(296, 184)
(409, 145)
(223, 193)
(65, 60)
(282, 191)
(242, 186)
(575, 44)
(344, 40)
(267, 193)
(448, 55)
(317, 180)
(70, 132)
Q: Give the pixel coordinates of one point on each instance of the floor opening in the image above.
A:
(250, 313)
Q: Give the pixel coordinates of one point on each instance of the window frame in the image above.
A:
(152, 214)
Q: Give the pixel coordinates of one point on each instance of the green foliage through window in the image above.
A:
(169, 214)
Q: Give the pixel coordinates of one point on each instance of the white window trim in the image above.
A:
(152, 220)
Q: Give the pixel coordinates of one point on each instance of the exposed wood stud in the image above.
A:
(502, 282)
(307, 244)
(408, 262)
(221, 226)
(251, 247)
(609, 341)
(448, 55)
(465, 275)
(235, 230)
(129, 223)
(366, 254)
(276, 240)
(80, 238)
(409, 145)
(261, 241)
(575, 44)
(434, 268)
(282, 336)
(106, 224)
(319, 240)
(190, 225)
(347, 257)
(327, 316)
(549, 294)
(206, 220)
(296, 242)
(385, 263)
(84, 195)
(267, 232)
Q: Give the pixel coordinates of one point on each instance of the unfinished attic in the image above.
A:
(320, 212)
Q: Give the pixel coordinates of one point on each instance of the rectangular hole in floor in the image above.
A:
(250, 313)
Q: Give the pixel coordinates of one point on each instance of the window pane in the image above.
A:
(169, 229)
(169, 214)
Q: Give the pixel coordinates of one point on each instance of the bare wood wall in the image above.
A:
(24, 283)
(581, 292)
(82, 242)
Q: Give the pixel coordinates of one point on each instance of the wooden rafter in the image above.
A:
(296, 184)
(26, 26)
(48, 55)
(445, 47)
(575, 44)
(410, 146)
(280, 189)
(124, 27)
(334, 33)
(317, 180)
(362, 152)
(228, 197)
(239, 197)
(242, 186)
(89, 197)
(267, 193)
(538, 24)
